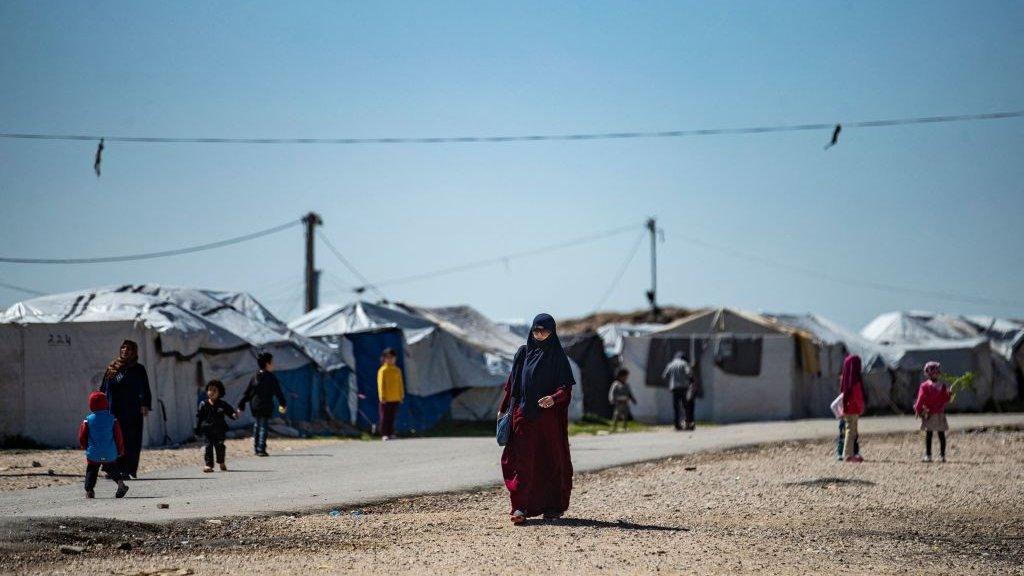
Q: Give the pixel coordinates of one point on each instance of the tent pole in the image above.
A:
(312, 276)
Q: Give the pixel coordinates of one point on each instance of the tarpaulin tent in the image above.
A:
(455, 360)
(54, 350)
(746, 366)
(985, 346)
(833, 343)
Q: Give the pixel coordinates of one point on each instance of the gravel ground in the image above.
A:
(18, 472)
(786, 509)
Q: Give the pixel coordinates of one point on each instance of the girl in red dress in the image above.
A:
(536, 463)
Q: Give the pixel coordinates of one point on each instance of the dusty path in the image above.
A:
(353, 473)
(779, 509)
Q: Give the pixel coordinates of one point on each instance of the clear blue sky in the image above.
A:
(934, 207)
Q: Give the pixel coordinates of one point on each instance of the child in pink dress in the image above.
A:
(932, 398)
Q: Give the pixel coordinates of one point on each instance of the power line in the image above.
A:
(529, 138)
(337, 254)
(507, 257)
(850, 280)
(151, 255)
(621, 272)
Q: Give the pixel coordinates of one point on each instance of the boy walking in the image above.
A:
(211, 423)
(390, 392)
(100, 436)
(260, 392)
(619, 396)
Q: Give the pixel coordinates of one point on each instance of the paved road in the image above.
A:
(352, 473)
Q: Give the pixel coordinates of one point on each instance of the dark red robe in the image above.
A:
(536, 464)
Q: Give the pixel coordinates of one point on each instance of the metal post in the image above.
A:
(311, 220)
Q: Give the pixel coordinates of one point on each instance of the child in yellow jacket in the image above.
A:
(390, 391)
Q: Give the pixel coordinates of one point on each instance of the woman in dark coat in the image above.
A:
(536, 463)
(126, 385)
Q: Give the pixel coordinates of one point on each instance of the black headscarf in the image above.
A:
(544, 367)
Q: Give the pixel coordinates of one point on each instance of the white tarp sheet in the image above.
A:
(54, 350)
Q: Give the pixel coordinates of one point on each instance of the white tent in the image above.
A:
(833, 343)
(54, 350)
(772, 394)
(991, 348)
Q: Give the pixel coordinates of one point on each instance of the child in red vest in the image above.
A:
(100, 437)
(930, 407)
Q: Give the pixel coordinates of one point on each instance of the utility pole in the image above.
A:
(311, 220)
(652, 294)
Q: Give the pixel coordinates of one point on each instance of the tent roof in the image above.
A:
(471, 326)
(931, 329)
(188, 319)
(464, 322)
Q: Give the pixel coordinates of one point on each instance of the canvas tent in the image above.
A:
(749, 368)
(54, 349)
(834, 343)
(988, 347)
(454, 358)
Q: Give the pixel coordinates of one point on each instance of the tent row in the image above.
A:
(786, 366)
(55, 349)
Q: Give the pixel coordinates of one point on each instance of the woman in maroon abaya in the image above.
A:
(536, 463)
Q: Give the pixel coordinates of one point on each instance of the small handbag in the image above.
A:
(837, 406)
(504, 428)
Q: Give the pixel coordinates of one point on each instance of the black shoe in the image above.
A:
(121, 491)
(262, 454)
(90, 494)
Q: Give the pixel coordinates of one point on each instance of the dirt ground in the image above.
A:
(18, 470)
(784, 509)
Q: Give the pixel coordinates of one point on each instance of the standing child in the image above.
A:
(390, 392)
(619, 396)
(930, 407)
(261, 391)
(100, 436)
(851, 384)
(211, 423)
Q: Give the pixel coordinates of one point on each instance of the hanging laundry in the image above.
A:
(739, 355)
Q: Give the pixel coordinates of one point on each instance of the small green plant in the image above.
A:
(959, 383)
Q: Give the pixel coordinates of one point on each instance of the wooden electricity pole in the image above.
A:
(311, 220)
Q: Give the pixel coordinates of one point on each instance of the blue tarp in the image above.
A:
(299, 387)
(335, 394)
(417, 413)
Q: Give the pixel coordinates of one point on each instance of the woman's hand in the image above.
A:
(145, 411)
(546, 402)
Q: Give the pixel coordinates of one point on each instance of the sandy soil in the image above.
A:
(787, 509)
(18, 472)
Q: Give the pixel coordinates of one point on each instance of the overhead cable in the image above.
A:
(851, 280)
(151, 255)
(508, 257)
(528, 138)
